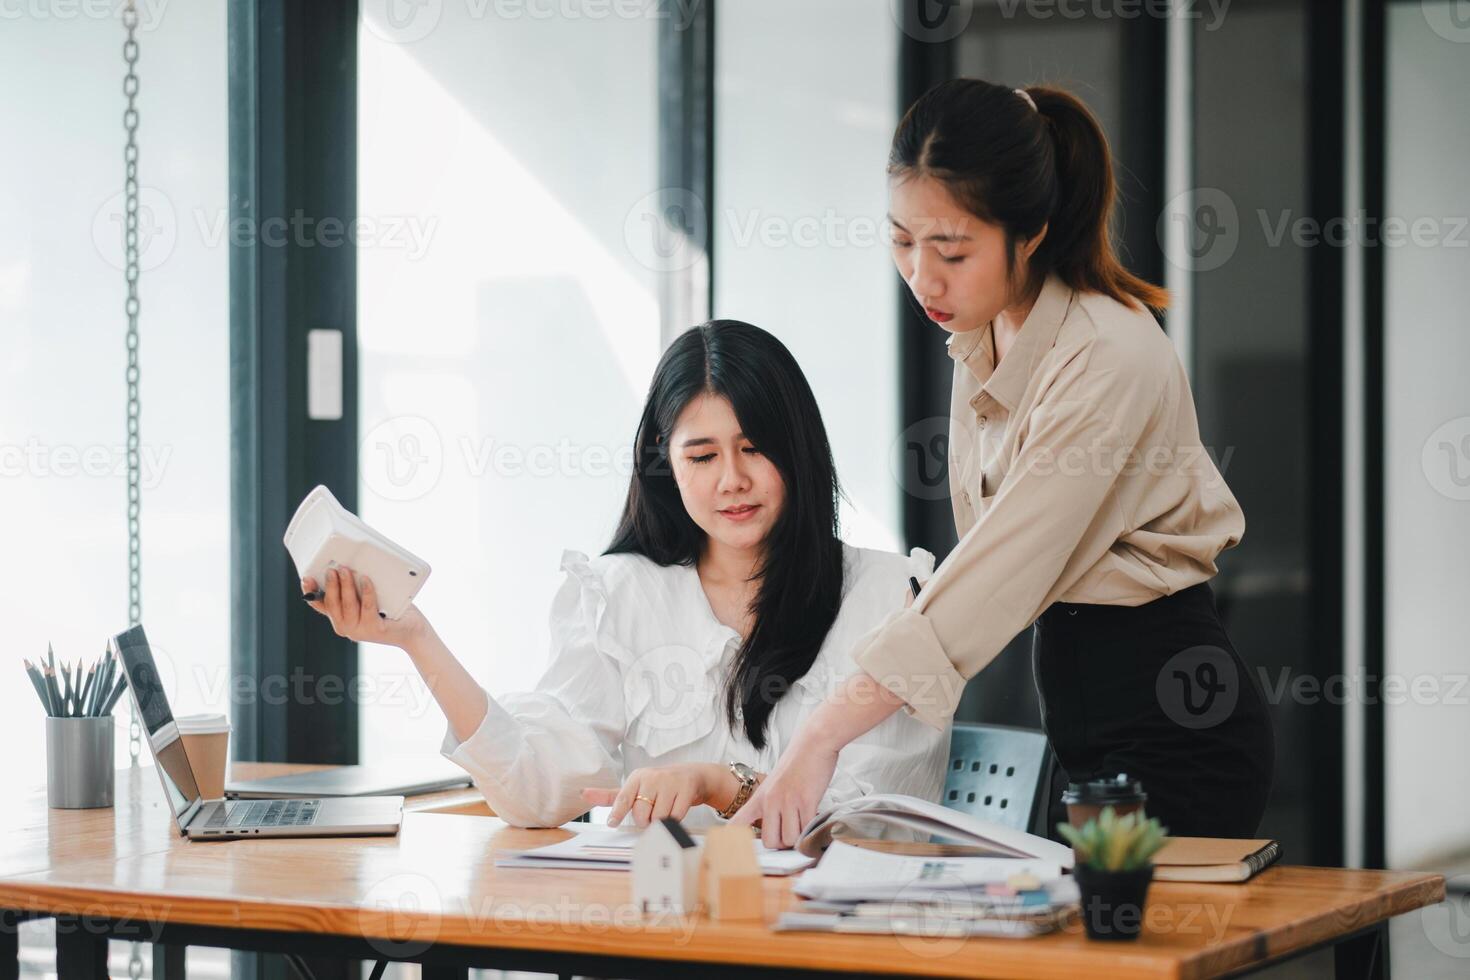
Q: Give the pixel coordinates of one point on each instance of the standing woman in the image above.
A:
(1084, 500)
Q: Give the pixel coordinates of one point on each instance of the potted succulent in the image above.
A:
(1113, 870)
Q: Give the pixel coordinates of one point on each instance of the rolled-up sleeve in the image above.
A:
(1051, 519)
(536, 751)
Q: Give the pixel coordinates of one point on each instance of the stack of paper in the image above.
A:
(855, 889)
(862, 816)
(604, 849)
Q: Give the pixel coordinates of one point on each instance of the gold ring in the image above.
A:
(643, 798)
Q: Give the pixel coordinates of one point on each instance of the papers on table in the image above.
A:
(855, 889)
(851, 873)
(922, 922)
(611, 849)
(862, 816)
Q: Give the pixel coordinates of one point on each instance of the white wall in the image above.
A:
(806, 107)
(1427, 437)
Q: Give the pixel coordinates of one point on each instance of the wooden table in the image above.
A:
(433, 895)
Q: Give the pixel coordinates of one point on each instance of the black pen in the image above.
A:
(914, 586)
(316, 596)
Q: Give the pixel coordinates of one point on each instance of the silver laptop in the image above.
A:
(218, 819)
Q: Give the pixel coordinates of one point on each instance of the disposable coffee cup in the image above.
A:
(207, 744)
(1085, 801)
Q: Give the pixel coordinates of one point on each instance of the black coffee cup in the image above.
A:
(1085, 801)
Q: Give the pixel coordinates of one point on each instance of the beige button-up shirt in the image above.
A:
(1077, 475)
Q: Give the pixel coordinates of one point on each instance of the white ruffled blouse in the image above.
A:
(636, 679)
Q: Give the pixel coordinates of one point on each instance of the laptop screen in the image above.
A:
(162, 733)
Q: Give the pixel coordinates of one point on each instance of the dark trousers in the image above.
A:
(1158, 692)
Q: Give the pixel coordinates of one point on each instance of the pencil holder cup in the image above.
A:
(79, 770)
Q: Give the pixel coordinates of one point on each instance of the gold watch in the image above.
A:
(748, 779)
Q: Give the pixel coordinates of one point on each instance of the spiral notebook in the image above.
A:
(1212, 859)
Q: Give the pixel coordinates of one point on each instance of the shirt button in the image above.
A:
(982, 420)
(966, 495)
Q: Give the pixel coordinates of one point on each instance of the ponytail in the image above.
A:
(1078, 244)
(1026, 160)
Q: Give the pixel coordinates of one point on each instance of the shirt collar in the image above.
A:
(1007, 383)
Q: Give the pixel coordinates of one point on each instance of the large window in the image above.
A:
(63, 488)
(1253, 333)
(508, 333)
(1426, 464)
(63, 405)
(805, 106)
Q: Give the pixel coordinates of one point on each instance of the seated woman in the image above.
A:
(721, 616)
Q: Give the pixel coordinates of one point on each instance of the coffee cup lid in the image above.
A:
(202, 724)
(1110, 789)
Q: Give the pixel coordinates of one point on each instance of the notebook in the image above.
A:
(1213, 858)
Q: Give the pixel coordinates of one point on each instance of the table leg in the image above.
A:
(9, 946)
(168, 962)
(1364, 956)
(81, 952)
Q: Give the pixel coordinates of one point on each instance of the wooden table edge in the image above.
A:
(1420, 889)
(1245, 951)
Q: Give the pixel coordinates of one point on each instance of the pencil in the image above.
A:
(107, 681)
(122, 683)
(97, 685)
(83, 698)
(35, 677)
(52, 692)
(51, 704)
(65, 688)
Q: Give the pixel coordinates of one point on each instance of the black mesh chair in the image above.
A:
(1002, 774)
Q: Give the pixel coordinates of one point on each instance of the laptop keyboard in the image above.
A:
(263, 813)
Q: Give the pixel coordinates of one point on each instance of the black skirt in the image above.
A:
(1158, 692)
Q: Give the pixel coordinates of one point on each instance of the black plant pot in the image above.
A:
(1113, 901)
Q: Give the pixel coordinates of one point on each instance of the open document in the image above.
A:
(866, 816)
(611, 849)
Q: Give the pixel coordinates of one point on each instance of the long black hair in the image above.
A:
(800, 572)
(1025, 162)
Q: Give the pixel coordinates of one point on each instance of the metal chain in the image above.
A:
(130, 266)
(130, 259)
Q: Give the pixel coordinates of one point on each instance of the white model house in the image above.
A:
(666, 869)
